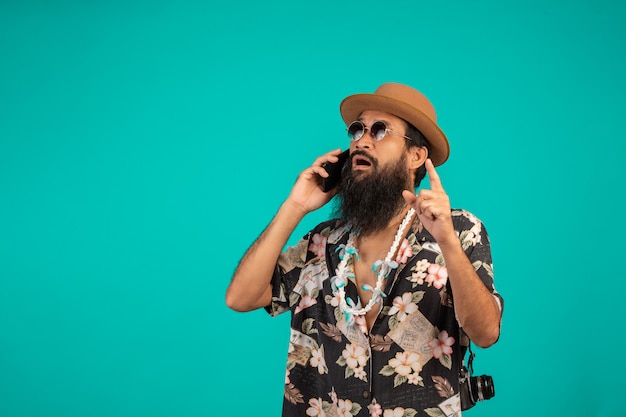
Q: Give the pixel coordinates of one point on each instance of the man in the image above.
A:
(384, 296)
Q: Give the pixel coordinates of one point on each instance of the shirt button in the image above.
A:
(366, 394)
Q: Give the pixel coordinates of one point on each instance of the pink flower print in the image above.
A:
(418, 277)
(318, 244)
(315, 409)
(442, 344)
(287, 381)
(415, 379)
(305, 302)
(318, 361)
(405, 252)
(375, 409)
(356, 356)
(360, 374)
(437, 275)
(406, 363)
(419, 271)
(403, 306)
(396, 412)
(344, 408)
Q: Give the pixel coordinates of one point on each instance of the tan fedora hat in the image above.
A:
(406, 103)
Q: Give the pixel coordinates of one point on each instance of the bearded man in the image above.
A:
(384, 297)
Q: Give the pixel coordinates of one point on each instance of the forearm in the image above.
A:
(476, 308)
(250, 287)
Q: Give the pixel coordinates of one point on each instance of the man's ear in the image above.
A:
(417, 156)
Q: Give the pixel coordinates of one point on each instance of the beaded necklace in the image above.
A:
(382, 269)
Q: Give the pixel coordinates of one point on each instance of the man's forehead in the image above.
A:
(378, 115)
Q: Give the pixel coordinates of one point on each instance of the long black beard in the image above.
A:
(370, 199)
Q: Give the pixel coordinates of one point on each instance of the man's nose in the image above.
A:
(366, 141)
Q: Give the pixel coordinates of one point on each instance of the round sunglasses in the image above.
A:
(378, 130)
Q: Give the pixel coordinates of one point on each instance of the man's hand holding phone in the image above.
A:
(307, 193)
(334, 171)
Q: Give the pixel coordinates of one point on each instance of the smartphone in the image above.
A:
(334, 171)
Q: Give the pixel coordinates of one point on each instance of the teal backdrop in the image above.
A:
(145, 144)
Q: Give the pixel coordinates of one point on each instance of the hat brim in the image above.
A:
(352, 107)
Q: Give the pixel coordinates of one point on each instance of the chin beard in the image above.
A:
(370, 199)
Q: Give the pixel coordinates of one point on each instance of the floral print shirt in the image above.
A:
(408, 364)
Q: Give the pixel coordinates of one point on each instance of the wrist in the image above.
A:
(450, 242)
(293, 209)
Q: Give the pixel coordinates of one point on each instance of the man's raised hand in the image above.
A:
(433, 206)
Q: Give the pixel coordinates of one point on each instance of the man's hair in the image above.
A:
(418, 140)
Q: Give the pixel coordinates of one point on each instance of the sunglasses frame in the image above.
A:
(364, 129)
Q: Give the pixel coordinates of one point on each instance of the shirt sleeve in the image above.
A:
(475, 242)
(286, 276)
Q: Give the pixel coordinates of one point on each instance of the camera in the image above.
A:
(474, 388)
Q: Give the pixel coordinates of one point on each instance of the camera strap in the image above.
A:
(470, 359)
(473, 388)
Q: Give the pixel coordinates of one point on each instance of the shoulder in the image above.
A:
(470, 229)
(332, 229)
(464, 217)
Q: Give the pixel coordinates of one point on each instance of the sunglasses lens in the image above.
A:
(356, 130)
(378, 130)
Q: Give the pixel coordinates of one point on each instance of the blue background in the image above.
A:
(145, 145)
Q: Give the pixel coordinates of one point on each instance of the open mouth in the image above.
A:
(361, 162)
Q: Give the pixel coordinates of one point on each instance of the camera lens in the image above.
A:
(483, 387)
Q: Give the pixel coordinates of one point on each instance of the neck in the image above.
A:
(390, 229)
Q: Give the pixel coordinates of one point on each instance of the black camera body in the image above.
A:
(474, 388)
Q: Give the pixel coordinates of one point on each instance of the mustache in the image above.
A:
(365, 154)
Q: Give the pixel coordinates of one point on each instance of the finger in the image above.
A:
(332, 156)
(409, 197)
(425, 194)
(435, 181)
(319, 170)
(433, 197)
(429, 210)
